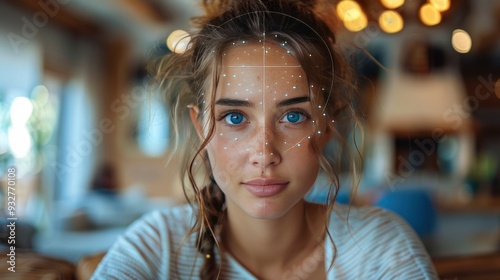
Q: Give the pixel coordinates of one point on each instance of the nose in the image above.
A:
(263, 151)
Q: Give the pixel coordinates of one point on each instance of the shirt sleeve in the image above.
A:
(402, 254)
(139, 253)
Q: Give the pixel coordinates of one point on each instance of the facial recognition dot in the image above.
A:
(236, 139)
(267, 51)
(234, 76)
(310, 55)
(243, 41)
(239, 84)
(323, 89)
(222, 134)
(312, 86)
(288, 52)
(286, 94)
(234, 43)
(267, 143)
(260, 153)
(309, 137)
(228, 84)
(300, 76)
(275, 35)
(284, 142)
(225, 148)
(272, 153)
(224, 75)
(298, 145)
(324, 114)
(319, 131)
(333, 120)
(319, 106)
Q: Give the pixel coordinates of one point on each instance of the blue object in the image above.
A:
(413, 205)
(321, 197)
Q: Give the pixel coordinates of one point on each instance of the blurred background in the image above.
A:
(89, 144)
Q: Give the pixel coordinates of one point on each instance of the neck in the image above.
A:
(277, 244)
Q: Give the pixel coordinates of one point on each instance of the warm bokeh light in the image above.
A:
(461, 41)
(348, 10)
(497, 88)
(357, 24)
(178, 41)
(390, 21)
(429, 15)
(440, 5)
(20, 111)
(392, 4)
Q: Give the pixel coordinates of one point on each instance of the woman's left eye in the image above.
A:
(294, 117)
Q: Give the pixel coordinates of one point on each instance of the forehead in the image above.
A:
(255, 54)
(263, 67)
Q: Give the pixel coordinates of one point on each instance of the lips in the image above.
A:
(264, 187)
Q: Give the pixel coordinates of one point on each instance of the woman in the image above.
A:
(262, 86)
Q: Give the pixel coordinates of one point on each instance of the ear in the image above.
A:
(194, 112)
(328, 134)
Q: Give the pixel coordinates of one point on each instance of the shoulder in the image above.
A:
(144, 250)
(381, 242)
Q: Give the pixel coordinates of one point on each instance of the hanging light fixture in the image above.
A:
(440, 5)
(390, 21)
(392, 4)
(429, 15)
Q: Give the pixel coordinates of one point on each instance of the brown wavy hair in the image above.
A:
(191, 79)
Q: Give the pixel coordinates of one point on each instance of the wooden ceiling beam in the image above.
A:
(145, 10)
(56, 13)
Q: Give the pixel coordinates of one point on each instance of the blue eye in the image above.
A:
(234, 118)
(294, 117)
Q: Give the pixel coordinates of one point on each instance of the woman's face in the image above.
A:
(261, 153)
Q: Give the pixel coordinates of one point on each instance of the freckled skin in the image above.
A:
(266, 143)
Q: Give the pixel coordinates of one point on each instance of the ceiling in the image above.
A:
(147, 23)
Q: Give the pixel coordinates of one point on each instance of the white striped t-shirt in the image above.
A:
(372, 244)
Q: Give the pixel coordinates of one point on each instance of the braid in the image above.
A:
(213, 201)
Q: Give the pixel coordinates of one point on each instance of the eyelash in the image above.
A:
(306, 115)
(227, 113)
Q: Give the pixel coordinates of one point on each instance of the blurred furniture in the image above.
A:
(469, 268)
(31, 265)
(413, 205)
(87, 265)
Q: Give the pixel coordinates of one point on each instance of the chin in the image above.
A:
(266, 210)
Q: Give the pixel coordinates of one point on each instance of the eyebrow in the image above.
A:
(244, 103)
(293, 101)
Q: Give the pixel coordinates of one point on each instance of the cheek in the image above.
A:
(225, 159)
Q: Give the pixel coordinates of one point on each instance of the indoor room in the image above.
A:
(87, 138)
